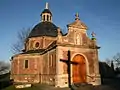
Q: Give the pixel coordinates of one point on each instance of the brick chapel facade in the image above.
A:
(46, 45)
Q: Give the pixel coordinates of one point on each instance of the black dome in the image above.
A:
(46, 11)
(44, 29)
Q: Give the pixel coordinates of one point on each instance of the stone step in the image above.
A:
(82, 86)
(104, 87)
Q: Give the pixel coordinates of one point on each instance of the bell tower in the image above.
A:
(46, 15)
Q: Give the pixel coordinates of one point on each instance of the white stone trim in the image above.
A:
(77, 38)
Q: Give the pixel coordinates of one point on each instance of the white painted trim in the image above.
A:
(28, 64)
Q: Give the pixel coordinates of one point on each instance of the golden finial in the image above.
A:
(77, 16)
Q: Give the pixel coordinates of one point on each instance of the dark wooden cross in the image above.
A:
(69, 62)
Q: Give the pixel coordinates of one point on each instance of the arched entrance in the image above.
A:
(79, 70)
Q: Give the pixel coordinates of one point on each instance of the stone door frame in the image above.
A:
(87, 66)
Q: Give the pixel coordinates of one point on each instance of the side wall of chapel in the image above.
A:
(21, 74)
(49, 67)
(42, 68)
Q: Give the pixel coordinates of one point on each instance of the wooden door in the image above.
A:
(79, 70)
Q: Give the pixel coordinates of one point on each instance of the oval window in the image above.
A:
(37, 44)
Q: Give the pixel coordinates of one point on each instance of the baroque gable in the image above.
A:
(78, 24)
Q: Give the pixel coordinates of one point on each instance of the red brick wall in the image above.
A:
(84, 38)
(25, 74)
(49, 67)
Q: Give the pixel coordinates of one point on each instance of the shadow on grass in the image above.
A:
(112, 82)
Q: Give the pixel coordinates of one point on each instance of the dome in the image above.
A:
(44, 29)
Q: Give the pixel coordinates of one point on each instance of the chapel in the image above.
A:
(40, 61)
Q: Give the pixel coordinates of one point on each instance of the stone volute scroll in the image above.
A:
(59, 37)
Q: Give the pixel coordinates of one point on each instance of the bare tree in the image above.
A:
(112, 65)
(116, 59)
(108, 61)
(4, 67)
(22, 37)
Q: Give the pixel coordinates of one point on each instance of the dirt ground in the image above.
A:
(107, 84)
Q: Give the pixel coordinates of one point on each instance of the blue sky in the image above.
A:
(101, 16)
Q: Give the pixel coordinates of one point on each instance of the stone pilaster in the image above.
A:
(61, 79)
(96, 69)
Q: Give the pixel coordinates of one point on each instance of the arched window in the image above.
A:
(51, 62)
(47, 17)
(43, 17)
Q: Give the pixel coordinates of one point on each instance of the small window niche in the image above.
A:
(51, 61)
(78, 39)
(26, 64)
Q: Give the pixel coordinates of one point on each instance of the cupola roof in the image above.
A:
(45, 27)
